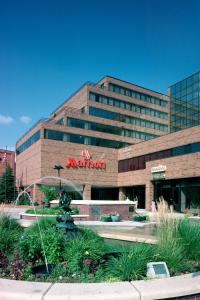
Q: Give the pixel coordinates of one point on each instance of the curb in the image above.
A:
(184, 285)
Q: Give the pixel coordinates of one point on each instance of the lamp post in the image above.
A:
(58, 168)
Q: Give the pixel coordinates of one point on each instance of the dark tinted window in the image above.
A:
(138, 163)
(33, 139)
(81, 139)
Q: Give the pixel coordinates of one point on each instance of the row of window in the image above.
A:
(105, 114)
(139, 162)
(109, 129)
(135, 94)
(127, 105)
(185, 108)
(81, 139)
(33, 139)
(192, 98)
(186, 84)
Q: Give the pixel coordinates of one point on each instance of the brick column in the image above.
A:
(37, 195)
(122, 194)
(87, 192)
(42, 133)
(149, 195)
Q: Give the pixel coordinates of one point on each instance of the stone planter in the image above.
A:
(105, 218)
(115, 218)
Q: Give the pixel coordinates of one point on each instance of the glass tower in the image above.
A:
(185, 103)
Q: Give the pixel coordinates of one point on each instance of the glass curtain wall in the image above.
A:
(185, 103)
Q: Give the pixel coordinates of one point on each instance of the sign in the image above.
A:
(158, 169)
(158, 176)
(86, 162)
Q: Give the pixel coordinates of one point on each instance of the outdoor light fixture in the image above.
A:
(157, 270)
(58, 168)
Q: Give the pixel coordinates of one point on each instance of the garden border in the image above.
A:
(165, 288)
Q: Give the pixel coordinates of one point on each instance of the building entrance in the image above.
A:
(136, 193)
(181, 193)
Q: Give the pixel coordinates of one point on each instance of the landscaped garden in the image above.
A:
(87, 258)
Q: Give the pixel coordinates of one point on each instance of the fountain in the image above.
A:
(65, 222)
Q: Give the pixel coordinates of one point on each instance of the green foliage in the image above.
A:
(23, 200)
(139, 218)
(46, 211)
(131, 265)
(87, 248)
(10, 232)
(105, 218)
(170, 248)
(7, 186)
(31, 245)
(75, 211)
(49, 193)
(189, 233)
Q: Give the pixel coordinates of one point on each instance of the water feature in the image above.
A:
(25, 192)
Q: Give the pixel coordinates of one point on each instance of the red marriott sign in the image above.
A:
(86, 162)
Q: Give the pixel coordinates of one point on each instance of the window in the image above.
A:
(126, 105)
(135, 94)
(124, 118)
(81, 139)
(32, 140)
(127, 164)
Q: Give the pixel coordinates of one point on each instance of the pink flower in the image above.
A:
(88, 262)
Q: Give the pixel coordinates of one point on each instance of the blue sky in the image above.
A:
(49, 48)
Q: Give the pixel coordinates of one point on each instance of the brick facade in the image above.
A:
(39, 160)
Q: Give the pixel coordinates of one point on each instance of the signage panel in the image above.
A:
(158, 169)
(86, 162)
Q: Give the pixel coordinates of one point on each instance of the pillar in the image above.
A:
(122, 193)
(37, 195)
(87, 192)
(183, 200)
(149, 195)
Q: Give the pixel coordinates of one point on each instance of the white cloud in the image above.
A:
(25, 119)
(6, 120)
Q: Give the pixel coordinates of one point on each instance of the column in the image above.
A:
(87, 192)
(149, 195)
(183, 200)
(37, 195)
(122, 193)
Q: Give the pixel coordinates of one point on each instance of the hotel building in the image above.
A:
(113, 140)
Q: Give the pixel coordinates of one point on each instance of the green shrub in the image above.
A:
(85, 250)
(49, 193)
(53, 240)
(189, 233)
(139, 218)
(46, 211)
(75, 211)
(131, 265)
(105, 218)
(10, 232)
(24, 200)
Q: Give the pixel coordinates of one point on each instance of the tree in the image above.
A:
(7, 186)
